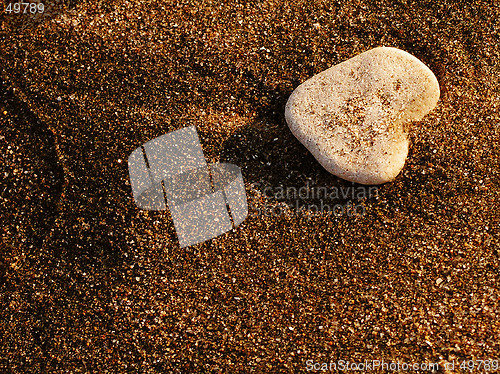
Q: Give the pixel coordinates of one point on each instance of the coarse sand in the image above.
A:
(89, 283)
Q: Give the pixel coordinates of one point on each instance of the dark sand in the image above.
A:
(89, 283)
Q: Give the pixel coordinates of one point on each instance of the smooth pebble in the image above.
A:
(354, 117)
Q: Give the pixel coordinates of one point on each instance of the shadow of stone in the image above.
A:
(277, 165)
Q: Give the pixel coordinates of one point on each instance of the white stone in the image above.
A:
(354, 117)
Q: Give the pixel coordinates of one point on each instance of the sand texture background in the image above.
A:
(89, 283)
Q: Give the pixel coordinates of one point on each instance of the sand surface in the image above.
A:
(89, 283)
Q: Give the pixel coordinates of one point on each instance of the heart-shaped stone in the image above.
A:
(354, 117)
